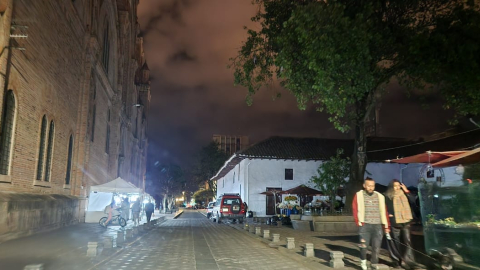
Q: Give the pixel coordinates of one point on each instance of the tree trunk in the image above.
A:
(359, 163)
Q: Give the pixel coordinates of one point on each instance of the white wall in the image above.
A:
(383, 173)
(262, 174)
(252, 177)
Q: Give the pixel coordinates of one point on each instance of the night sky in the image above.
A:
(188, 44)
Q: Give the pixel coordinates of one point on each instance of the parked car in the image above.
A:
(228, 206)
(210, 209)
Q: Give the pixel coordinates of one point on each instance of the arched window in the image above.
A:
(7, 132)
(41, 151)
(106, 48)
(48, 166)
(69, 161)
(107, 138)
(94, 112)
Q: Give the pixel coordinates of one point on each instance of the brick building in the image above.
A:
(75, 97)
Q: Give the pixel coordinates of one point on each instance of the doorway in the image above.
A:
(272, 199)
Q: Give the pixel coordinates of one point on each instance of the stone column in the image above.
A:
(336, 260)
(34, 267)
(258, 230)
(128, 234)
(309, 252)
(276, 237)
(92, 249)
(290, 243)
(251, 229)
(108, 242)
(266, 234)
(120, 237)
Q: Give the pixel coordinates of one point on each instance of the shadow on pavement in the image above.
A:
(348, 238)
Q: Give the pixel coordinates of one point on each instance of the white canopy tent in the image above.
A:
(102, 195)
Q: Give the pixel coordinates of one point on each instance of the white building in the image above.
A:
(281, 163)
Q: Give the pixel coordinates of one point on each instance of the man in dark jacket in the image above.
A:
(149, 208)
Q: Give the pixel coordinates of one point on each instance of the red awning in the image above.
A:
(467, 157)
(443, 159)
(428, 157)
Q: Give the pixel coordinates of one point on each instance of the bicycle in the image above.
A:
(115, 219)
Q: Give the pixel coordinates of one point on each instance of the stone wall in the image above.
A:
(23, 214)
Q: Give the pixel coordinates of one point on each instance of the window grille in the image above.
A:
(69, 160)
(41, 151)
(48, 166)
(7, 132)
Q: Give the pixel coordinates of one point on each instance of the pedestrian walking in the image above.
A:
(400, 215)
(149, 208)
(136, 208)
(125, 209)
(371, 216)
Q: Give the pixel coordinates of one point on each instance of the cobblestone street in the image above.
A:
(193, 242)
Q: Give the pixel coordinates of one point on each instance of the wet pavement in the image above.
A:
(188, 242)
(65, 248)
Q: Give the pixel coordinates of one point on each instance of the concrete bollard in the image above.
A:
(336, 260)
(308, 251)
(108, 242)
(276, 237)
(380, 267)
(120, 237)
(135, 230)
(266, 234)
(128, 234)
(290, 243)
(92, 249)
(258, 230)
(245, 226)
(251, 229)
(34, 267)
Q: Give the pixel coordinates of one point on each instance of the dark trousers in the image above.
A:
(370, 234)
(400, 245)
(149, 215)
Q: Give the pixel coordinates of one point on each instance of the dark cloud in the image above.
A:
(188, 45)
(181, 56)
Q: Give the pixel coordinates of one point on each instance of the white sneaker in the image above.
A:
(363, 264)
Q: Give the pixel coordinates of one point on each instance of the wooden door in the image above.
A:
(272, 199)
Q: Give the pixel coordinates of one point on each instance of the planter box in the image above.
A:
(302, 225)
(345, 224)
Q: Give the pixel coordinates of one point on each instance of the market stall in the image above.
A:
(450, 208)
(102, 195)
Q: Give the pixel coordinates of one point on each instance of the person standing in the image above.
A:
(371, 216)
(136, 212)
(125, 209)
(400, 217)
(149, 208)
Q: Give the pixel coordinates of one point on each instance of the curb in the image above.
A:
(178, 214)
(310, 263)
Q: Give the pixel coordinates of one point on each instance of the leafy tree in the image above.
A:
(331, 176)
(209, 160)
(340, 55)
(168, 181)
(203, 195)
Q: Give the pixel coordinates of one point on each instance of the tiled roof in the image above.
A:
(378, 149)
(295, 148)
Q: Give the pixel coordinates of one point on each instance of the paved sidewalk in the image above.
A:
(64, 248)
(323, 243)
